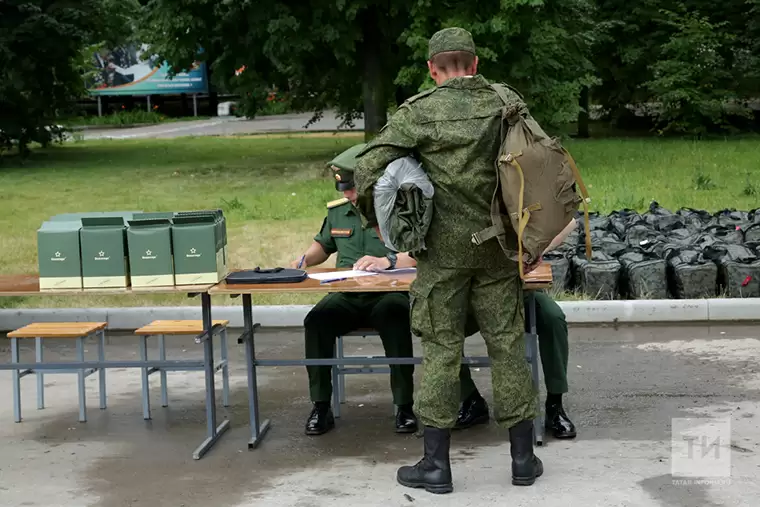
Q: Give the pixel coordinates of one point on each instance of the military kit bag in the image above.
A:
(536, 185)
(274, 275)
(560, 265)
(644, 274)
(599, 277)
(738, 269)
(691, 275)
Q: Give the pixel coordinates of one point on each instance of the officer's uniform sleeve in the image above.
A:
(399, 138)
(324, 237)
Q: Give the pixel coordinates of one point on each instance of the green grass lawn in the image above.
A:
(273, 189)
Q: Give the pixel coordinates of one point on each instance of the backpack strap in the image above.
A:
(586, 199)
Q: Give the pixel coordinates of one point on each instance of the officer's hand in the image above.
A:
(369, 263)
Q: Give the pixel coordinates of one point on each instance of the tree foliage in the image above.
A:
(41, 43)
(354, 55)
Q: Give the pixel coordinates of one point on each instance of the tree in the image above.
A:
(41, 44)
(362, 56)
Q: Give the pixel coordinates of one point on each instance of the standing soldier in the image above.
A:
(338, 313)
(454, 131)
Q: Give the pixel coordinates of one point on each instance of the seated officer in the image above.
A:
(553, 347)
(339, 313)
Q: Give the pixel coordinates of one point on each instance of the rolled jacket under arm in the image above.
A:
(403, 204)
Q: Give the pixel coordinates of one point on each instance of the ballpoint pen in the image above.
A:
(300, 263)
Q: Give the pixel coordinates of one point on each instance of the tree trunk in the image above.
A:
(375, 107)
(583, 115)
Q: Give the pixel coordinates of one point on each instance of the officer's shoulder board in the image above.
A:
(337, 202)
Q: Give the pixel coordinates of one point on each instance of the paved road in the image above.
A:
(626, 386)
(225, 127)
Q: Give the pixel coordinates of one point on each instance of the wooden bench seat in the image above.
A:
(177, 327)
(58, 330)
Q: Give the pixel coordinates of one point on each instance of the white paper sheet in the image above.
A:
(339, 275)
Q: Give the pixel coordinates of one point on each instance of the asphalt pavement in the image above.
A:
(227, 126)
(626, 387)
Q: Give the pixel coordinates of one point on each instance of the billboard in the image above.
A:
(130, 70)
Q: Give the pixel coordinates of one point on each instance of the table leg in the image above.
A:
(40, 375)
(257, 431)
(225, 369)
(162, 373)
(102, 372)
(538, 422)
(212, 431)
(145, 379)
(80, 382)
(16, 376)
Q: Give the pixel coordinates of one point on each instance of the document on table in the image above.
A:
(333, 276)
(339, 275)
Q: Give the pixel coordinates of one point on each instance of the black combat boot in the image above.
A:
(474, 410)
(433, 471)
(321, 419)
(525, 465)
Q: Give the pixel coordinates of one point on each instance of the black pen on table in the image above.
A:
(300, 263)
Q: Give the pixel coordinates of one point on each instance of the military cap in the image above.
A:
(343, 167)
(451, 39)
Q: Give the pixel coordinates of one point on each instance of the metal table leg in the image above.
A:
(102, 371)
(40, 375)
(80, 382)
(213, 431)
(257, 431)
(16, 376)
(538, 423)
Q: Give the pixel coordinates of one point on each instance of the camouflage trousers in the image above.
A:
(440, 299)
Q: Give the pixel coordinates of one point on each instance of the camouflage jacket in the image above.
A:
(454, 131)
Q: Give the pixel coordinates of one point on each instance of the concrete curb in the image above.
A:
(577, 312)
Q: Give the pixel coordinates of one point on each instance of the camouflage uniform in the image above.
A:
(453, 130)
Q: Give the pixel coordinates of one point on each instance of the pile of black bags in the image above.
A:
(689, 254)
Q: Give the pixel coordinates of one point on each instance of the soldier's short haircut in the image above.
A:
(451, 61)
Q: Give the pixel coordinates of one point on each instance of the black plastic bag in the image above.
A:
(696, 219)
(643, 275)
(738, 269)
(597, 278)
(752, 233)
(691, 275)
(661, 218)
(621, 220)
(560, 264)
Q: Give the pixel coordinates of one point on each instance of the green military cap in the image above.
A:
(343, 167)
(451, 39)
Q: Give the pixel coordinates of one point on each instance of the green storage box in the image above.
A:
(221, 223)
(198, 249)
(149, 242)
(67, 217)
(104, 253)
(58, 255)
(152, 215)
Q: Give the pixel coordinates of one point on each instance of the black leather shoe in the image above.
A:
(472, 412)
(525, 465)
(406, 421)
(558, 423)
(433, 471)
(320, 420)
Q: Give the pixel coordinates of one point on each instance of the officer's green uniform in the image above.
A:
(339, 313)
(551, 325)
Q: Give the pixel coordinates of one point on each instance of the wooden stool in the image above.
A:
(40, 330)
(161, 328)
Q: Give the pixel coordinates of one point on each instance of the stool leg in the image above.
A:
(80, 381)
(15, 375)
(162, 356)
(341, 373)
(145, 385)
(102, 369)
(40, 375)
(336, 383)
(225, 369)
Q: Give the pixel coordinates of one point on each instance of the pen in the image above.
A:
(336, 280)
(300, 263)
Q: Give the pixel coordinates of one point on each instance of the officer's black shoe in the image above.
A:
(433, 471)
(473, 411)
(525, 465)
(406, 421)
(320, 420)
(558, 423)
